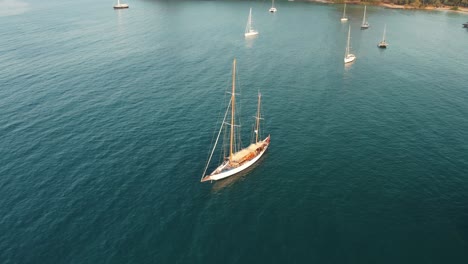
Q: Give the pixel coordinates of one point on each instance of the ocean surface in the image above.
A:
(107, 119)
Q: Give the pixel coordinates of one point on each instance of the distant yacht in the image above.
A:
(383, 44)
(249, 31)
(120, 6)
(344, 18)
(365, 24)
(273, 8)
(348, 56)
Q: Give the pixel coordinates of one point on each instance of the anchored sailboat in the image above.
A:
(348, 56)
(365, 24)
(273, 8)
(344, 18)
(383, 44)
(249, 31)
(120, 6)
(239, 158)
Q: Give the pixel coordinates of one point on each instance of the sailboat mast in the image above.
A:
(257, 129)
(344, 10)
(233, 106)
(364, 18)
(347, 45)
(250, 20)
(118, 2)
(384, 29)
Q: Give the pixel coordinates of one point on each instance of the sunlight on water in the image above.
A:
(107, 118)
(13, 7)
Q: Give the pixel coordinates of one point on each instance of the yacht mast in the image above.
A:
(364, 18)
(383, 38)
(233, 106)
(257, 129)
(347, 45)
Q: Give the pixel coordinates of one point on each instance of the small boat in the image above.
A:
(120, 6)
(348, 56)
(344, 18)
(273, 8)
(383, 44)
(249, 31)
(465, 25)
(365, 24)
(239, 158)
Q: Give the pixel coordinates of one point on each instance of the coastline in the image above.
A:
(431, 8)
(463, 10)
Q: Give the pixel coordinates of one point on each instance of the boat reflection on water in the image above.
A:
(250, 41)
(221, 184)
(348, 65)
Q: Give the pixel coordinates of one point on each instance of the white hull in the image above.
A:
(349, 58)
(272, 10)
(382, 45)
(251, 33)
(121, 6)
(344, 19)
(244, 166)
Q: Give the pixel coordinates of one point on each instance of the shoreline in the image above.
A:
(462, 10)
(430, 8)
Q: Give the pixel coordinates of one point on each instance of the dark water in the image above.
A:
(107, 118)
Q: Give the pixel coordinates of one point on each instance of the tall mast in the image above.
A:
(273, 3)
(233, 106)
(250, 19)
(385, 27)
(344, 10)
(257, 131)
(347, 45)
(364, 18)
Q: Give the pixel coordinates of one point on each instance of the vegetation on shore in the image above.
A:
(414, 3)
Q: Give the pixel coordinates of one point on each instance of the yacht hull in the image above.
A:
(251, 34)
(123, 6)
(222, 175)
(350, 58)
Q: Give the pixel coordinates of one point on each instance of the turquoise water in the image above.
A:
(107, 119)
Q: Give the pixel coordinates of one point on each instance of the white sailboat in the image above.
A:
(120, 6)
(239, 158)
(273, 8)
(249, 31)
(383, 44)
(365, 24)
(349, 57)
(344, 18)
